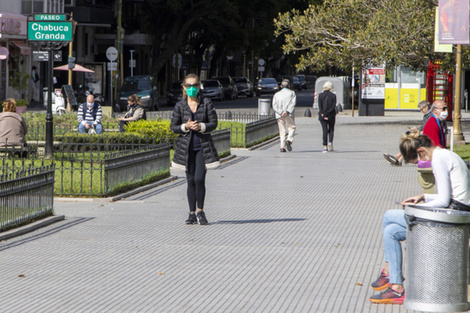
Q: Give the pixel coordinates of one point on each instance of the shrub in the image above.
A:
(151, 128)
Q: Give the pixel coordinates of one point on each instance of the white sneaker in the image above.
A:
(325, 150)
(330, 147)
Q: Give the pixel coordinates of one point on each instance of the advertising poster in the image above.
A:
(373, 83)
(453, 22)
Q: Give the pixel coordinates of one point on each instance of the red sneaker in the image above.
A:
(381, 283)
(389, 296)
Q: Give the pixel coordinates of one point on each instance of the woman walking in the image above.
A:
(327, 115)
(453, 192)
(194, 118)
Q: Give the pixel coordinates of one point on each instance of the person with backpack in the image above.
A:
(136, 112)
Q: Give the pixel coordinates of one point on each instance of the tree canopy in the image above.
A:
(343, 33)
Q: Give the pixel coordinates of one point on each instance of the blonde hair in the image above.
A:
(9, 105)
(410, 142)
(328, 86)
(135, 99)
(192, 75)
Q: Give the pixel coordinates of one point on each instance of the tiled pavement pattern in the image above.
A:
(291, 232)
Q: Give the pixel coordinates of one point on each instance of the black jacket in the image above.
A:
(326, 104)
(207, 117)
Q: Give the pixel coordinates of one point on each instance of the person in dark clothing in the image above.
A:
(194, 118)
(327, 115)
(136, 112)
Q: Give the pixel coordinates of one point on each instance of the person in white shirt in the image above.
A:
(452, 179)
(284, 102)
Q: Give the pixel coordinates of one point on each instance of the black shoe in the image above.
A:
(192, 219)
(289, 145)
(201, 218)
(283, 150)
(391, 159)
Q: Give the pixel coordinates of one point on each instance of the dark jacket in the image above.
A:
(326, 104)
(207, 117)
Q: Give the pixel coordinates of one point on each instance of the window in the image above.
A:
(32, 6)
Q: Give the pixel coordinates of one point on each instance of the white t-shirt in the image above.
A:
(452, 180)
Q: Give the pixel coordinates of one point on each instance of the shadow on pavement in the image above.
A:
(261, 221)
(25, 238)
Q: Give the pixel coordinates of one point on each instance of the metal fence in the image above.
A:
(25, 194)
(124, 167)
(81, 168)
(221, 116)
(261, 130)
(221, 140)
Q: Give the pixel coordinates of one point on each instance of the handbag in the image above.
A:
(458, 206)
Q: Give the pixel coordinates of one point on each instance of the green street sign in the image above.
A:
(49, 31)
(50, 17)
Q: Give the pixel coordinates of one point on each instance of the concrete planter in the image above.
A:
(426, 180)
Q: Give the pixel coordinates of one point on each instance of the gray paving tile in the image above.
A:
(293, 232)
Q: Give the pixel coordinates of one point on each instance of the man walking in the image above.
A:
(284, 102)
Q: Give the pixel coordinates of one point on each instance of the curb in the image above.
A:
(264, 143)
(30, 227)
(144, 188)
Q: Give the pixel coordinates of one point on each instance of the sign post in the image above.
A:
(50, 32)
(111, 54)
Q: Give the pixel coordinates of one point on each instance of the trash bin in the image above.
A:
(264, 105)
(436, 259)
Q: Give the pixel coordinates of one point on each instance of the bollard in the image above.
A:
(228, 115)
(307, 113)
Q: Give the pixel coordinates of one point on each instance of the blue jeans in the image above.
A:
(394, 231)
(82, 129)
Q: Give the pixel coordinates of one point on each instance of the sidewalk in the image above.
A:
(290, 232)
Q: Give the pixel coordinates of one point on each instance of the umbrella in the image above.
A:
(77, 68)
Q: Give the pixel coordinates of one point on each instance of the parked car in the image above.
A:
(303, 81)
(267, 85)
(244, 86)
(174, 93)
(230, 90)
(213, 89)
(294, 81)
(144, 86)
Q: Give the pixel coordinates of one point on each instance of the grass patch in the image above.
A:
(237, 132)
(463, 151)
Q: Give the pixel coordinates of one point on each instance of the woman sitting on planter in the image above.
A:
(135, 113)
(453, 192)
(12, 125)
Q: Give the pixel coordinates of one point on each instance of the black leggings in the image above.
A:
(196, 178)
(328, 127)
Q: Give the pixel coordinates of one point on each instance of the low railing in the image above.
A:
(125, 167)
(25, 195)
(221, 140)
(221, 116)
(261, 130)
(80, 168)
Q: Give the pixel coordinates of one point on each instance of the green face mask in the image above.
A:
(192, 92)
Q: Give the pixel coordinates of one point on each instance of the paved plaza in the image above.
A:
(291, 232)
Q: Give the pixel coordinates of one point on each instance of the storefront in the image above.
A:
(13, 34)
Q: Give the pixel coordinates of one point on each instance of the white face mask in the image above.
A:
(89, 104)
(444, 114)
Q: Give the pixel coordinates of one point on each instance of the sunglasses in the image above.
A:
(191, 85)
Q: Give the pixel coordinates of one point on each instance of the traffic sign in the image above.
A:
(49, 31)
(112, 66)
(40, 56)
(50, 17)
(4, 53)
(111, 53)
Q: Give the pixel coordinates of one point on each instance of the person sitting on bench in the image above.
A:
(136, 112)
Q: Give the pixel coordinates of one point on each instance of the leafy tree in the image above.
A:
(344, 33)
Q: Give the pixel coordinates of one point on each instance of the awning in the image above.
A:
(25, 49)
